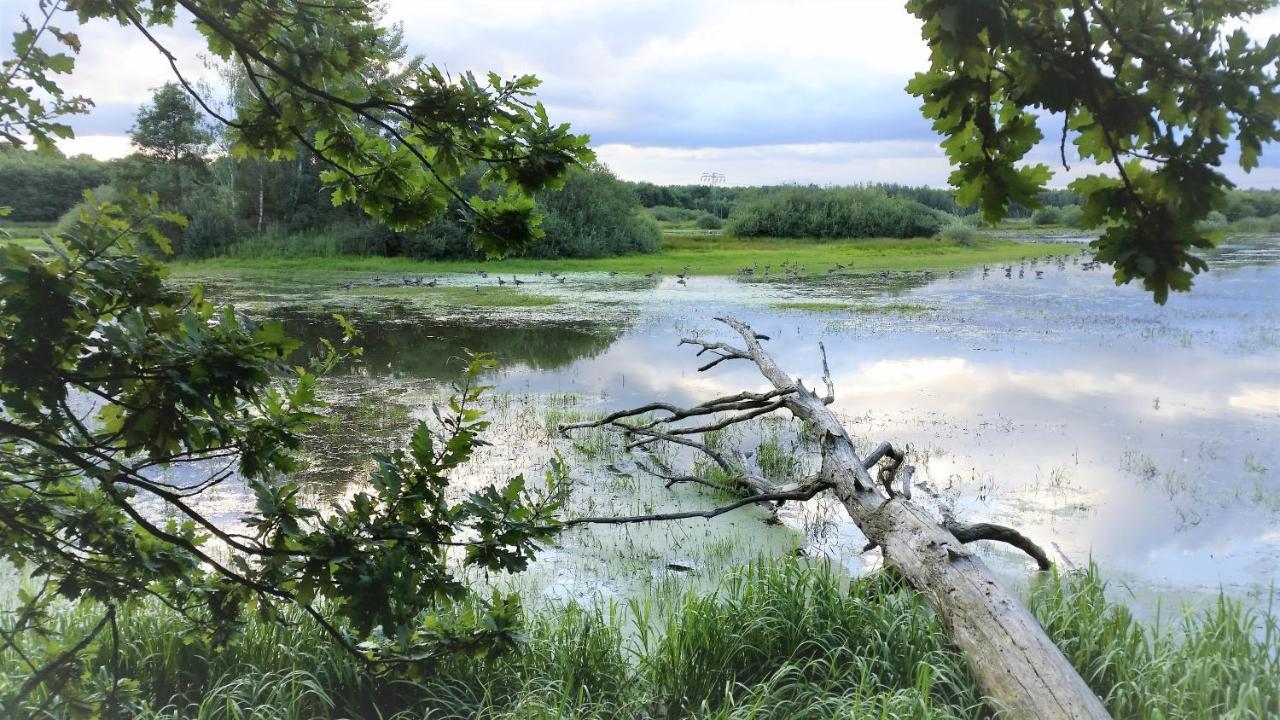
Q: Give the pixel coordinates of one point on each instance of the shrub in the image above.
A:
(709, 222)
(809, 212)
(1214, 221)
(959, 233)
(1047, 216)
(1249, 225)
(594, 215)
(211, 225)
(1070, 216)
(101, 194)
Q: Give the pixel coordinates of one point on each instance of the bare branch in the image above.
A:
(999, 533)
(676, 479)
(826, 377)
(806, 493)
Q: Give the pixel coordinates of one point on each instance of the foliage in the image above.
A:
(124, 402)
(1152, 87)
(1046, 216)
(42, 187)
(328, 78)
(808, 212)
(781, 640)
(778, 640)
(171, 128)
(31, 102)
(959, 233)
(1221, 662)
(594, 215)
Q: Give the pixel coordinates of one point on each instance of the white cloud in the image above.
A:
(103, 147)
(763, 91)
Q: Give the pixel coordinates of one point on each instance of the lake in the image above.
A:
(1098, 423)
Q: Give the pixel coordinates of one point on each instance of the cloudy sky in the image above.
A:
(763, 92)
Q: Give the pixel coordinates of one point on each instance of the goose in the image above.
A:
(501, 281)
(435, 280)
(560, 280)
(516, 280)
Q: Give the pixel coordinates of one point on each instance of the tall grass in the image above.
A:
(1223, 662)
(779, 640)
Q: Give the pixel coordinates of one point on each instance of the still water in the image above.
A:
(1098, 423)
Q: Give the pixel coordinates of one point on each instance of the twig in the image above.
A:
(805, 494)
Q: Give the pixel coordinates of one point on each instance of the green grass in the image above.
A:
(705, 255)
(779, 640)
(26, 234)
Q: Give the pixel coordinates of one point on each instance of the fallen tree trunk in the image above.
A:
(1018, 667)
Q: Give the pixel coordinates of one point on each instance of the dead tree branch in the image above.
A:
(1014, 661)
(999, 533)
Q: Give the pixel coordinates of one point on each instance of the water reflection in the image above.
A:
(1099, 423)
(398, 340)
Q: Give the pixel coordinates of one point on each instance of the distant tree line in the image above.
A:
(40, 188)
(259, 208)
(256, 207)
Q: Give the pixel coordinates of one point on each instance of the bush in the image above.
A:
(594, 215)
(709, 222)
(1070, 215)
(101, 194)
(1047, 216)
(360, 237)
(1214, 221)
(444, 239)
(1249, 225)
(211, 225)
(809, 212)
(959, 233)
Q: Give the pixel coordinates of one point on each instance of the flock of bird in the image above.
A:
(787, 269)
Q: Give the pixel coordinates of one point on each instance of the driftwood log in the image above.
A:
(1020, 670)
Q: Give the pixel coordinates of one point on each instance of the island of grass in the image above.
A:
(701, 254)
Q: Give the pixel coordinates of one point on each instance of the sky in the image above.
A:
(762, 92)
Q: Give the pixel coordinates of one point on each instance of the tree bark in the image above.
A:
(1014, 661)
(1019, 669)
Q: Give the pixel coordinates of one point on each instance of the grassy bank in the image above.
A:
(705, 255)
(781, 640)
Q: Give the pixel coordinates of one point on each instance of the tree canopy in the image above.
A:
(171, 128)
(1157, 89)
(326, 77)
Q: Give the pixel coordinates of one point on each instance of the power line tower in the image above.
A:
(712, 179)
